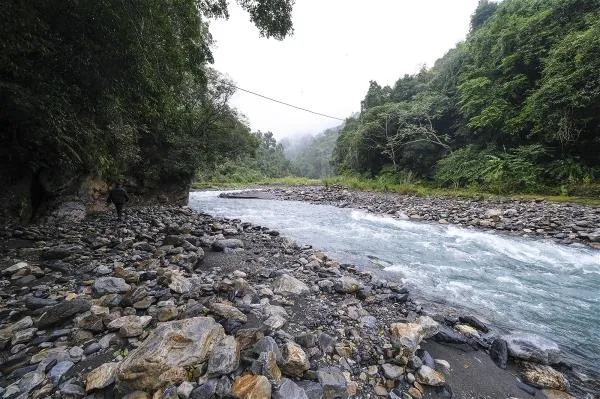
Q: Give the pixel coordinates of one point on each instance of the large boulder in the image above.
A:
(225, 357)
(63, 311)
(251, 387)
(543, 376)
(163, 357)
(532, 347)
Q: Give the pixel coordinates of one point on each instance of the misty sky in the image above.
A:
(336, 48)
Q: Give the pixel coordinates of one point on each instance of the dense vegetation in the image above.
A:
(310, 156)
(119, 88)
(516, 107)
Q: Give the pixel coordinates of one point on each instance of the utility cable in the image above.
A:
(280, 102)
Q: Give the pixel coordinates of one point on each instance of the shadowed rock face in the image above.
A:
(162, 358)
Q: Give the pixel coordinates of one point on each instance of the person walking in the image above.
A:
(118, 196)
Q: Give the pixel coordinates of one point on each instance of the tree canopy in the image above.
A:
(119, 87)
(520, 98)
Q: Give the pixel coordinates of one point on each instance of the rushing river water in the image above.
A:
(515, 283)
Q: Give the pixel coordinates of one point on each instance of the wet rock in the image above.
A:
(542, 376)
(251, 387)
(224, 358)
(110, 285)
(499, 352)
(289, 390)
(448, 335)
(288, 285)
(474, 322)
(295, 362)
(333, 382)
(163, 357)
(428, 376)
(130, 326)
(63, 311)
(532, 347)
(347, 285)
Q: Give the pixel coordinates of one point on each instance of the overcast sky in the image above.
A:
(336, 48)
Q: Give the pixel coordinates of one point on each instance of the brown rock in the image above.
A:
(543, 376)
(251, 387)
(428, 376)
(163, 357)
(295, 361)
(101, 376)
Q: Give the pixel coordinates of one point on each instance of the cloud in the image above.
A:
(337, 47)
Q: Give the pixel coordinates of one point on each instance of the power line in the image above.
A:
(280, 102)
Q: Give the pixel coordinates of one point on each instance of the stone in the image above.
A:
(90, 321)
(268, 344)
(430, 327)
(474, 322)
(63, 311)
(230, 243)
(266, 365)
(428, 376)
(101, 377)
(467, 330)
(543, 376)
(180, 284)
(532, 347)
(251, 387)
(23, 335)
(30, 381)
(33, 303)
(289, 285)
(59, 370)
(347, 285)
(130, 326)
(184, 390)
(448, 335)
(167, 313)
(499, 352)
(163, 358)
(205, 391)
(295, 361)
(227, 312)
(275, 322)
(313, 390)
(409, 335)
(333, 382)
(289, 390)
(554, 394)
(392, 371)
(380, 390)
(72, 390)
(110, 285)
(225, 357)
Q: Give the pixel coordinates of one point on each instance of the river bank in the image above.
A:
(172, 303)
(564, 223)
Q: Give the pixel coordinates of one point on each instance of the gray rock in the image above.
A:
(313, 390)
(295, 361)
(333, 382)
(289, 390)
(392, 371)
(130, 326)
(33, 303)
(72, 390)
(288, 285)
(23, 335)
(227, 312)
(59, 370)
(184, 390)
(230, 243)
(101, 377)
(532, 347)
(347, 285)
(268, 344)
(205, 391)
(225, 357)
(499, 352)
(63, 311)
(474, 322)
(31, 381)
(110, 285)
(180, 284)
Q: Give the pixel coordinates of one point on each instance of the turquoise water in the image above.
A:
(515, 283)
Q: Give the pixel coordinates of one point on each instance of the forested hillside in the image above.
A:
(117, 89)
(310, 156)
(516, 107)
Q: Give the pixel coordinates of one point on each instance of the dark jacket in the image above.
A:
(118, 195)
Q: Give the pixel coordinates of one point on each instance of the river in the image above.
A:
(514, 283)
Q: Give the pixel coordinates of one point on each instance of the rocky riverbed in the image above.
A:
(170, 303)
(564, 222)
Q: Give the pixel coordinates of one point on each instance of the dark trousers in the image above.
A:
(119, 208)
